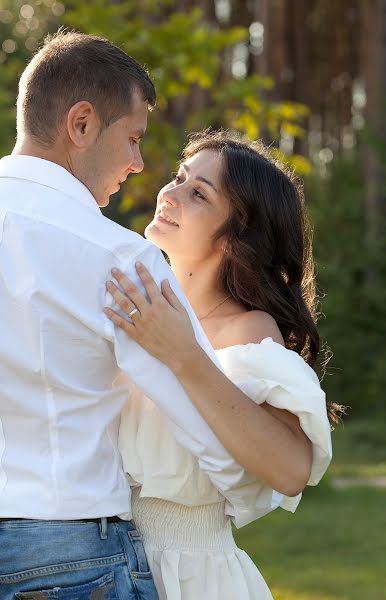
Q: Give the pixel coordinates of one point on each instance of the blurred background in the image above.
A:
(309, 78)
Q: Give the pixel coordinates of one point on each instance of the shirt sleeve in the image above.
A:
(160, 385)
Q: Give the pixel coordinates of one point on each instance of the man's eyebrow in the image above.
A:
(199, 177)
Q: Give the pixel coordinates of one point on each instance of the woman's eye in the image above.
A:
(178, 179)
(198, 194)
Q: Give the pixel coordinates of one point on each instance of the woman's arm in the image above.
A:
(267, 442)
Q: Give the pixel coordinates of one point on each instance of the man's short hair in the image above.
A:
(71, 67)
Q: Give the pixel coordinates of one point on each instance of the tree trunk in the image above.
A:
(373, 57)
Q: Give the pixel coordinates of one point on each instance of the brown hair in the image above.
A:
(71, 67)
(268, 263)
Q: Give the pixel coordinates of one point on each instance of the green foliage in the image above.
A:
(353, 304)
(184, 54)
(360, 449)
(22, 26)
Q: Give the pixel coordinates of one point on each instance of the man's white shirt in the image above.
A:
(60, 355)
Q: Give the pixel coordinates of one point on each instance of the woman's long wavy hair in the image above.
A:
(268, 263)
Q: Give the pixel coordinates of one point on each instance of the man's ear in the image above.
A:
(83, 124)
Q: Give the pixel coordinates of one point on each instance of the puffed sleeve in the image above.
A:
(268, 372)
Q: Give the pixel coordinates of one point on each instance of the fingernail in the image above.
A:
(107, 311)
(138, 265)
(114, 271)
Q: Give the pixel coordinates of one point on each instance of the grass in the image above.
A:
(334, 546)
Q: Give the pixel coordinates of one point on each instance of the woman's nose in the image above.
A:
(171, 197)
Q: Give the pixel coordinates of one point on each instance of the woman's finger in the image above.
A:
(131, 290)
(120, 322)
(170, 296)
(120, 298)
(149, 284)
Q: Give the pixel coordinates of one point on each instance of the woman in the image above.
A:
(233, 227)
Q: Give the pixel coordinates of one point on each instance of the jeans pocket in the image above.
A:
(144, 586)
(142, 569)
(98, 589)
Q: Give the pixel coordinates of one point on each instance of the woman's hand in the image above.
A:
(161, 326)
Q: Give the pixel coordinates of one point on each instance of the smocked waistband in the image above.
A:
(164, 524)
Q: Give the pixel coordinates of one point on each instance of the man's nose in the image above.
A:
(137, 164)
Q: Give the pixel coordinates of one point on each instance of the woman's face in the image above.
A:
(190, 209)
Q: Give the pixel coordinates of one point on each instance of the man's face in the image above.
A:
(116, 153)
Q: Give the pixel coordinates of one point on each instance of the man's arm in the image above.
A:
(160, 385)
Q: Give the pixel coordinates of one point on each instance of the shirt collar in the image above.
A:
(45, 172)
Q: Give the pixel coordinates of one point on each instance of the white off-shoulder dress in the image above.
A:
(184, 521)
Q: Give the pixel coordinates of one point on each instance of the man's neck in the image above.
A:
(27, 147)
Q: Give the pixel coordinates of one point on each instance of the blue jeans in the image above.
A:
(73, 560)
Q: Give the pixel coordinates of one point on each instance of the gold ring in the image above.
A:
(132, 312)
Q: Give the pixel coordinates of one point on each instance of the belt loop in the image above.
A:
(103, 528)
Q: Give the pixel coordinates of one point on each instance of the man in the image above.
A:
(65, 526)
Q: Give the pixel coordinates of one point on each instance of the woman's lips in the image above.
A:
(161, 219)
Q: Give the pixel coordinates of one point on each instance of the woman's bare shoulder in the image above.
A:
(251, 327)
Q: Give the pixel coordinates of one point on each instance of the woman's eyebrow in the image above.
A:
(199, 177)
